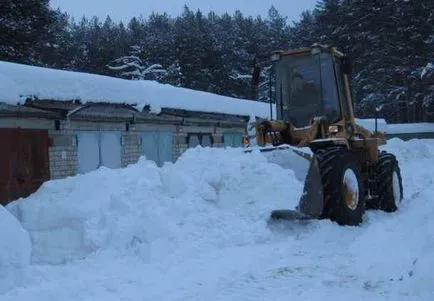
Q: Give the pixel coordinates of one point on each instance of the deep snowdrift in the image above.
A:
(15, 248)
(204, 195)
(197, 230)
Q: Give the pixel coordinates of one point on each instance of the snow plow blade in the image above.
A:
(287, 214)
(306, 168)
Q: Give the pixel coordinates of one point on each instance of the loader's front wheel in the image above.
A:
(389, 184)
(344, 200)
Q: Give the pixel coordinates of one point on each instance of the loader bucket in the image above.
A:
(306, 169)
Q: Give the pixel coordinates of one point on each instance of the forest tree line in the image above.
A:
(390, 43)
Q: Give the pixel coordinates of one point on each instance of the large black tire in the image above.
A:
(337, 165)
(389, 184)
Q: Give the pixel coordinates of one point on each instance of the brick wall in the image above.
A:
(179, 144)
(180, 137)
(131, 148)
(62, 154)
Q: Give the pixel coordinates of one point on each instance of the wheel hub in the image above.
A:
(351, 189)
(396, 189)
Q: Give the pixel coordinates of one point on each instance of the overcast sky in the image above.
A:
(125, 9)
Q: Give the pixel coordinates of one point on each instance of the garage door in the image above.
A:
(111, 149)
(95, 149)
(158, 146)
(87, 151)
(23, 162)
(233, 139)
(202, 139)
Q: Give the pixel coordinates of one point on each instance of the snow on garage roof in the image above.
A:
(17, 82)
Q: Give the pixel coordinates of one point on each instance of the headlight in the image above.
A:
(333, 129)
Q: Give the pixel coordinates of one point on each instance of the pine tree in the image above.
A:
(55, 51)
(24, 28)
(193, 46)
(305, 31)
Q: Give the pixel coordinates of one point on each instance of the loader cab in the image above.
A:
(309, 83)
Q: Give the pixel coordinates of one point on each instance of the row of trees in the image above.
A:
(391, 44)
(392, 48)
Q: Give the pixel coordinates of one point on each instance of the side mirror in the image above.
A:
(346, 65)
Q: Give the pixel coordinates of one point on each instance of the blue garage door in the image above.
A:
(87, 151)
(95, 149)
(111, 149)
(233, 139)
(158, 146)
(202, 139)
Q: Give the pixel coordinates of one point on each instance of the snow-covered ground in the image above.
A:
(196, 230)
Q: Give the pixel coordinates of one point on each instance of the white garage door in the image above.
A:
(95, 149)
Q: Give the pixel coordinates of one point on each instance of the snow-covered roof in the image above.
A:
(18, 82)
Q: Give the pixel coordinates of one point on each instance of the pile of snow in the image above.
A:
(15, 248)
(156, 208)
(406, 238)
(17, 82)
(14, 242)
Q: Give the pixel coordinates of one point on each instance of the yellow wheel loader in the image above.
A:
(316, 135)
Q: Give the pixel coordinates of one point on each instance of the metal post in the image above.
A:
(377, 109)
(376, 120)
(270, 95)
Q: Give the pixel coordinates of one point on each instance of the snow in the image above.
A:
(14, 241)
(15, 248)
(196, 230)
(17, 82)
(69, 219)
(429, 69)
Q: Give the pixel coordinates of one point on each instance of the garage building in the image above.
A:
(55, 124)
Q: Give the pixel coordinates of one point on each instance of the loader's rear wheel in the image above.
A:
(389, 184)
(344, 200)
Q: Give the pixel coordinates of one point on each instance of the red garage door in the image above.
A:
(23, 162)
